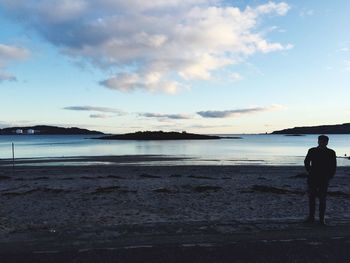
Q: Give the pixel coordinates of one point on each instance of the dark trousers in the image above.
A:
(317, 188)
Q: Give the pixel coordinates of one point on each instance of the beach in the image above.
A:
(119, 202)
(174, 131)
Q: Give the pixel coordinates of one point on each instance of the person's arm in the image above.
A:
(307, 161)
(333, 164)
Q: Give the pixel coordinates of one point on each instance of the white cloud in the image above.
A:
(155, 45)
(235, 76)
(271, 7)
(96, 109)
(306, 12)
(9, 54)
(237, 112)
(151, 81)
(166, 116)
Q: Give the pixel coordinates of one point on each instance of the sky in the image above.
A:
(204, 66)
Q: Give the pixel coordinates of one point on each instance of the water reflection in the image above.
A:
(252, 149)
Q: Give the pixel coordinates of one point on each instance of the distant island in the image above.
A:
(323, 129)
(160, 135)
(47, 130)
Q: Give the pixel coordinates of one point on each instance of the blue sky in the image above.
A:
(198, 65)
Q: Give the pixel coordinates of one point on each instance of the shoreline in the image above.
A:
(99, 159)
(144, 160)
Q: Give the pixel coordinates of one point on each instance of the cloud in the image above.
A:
(271, 7)
(157, 45)
(189, 128)
(9, 54)
(306, 12)
(166, 116)
(7, 77)
(99, 116)
(200, 126)
(235, 77)
(93, 108)
(132, 81)
(237, 112)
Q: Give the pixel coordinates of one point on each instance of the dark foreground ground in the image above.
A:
(196, 242)
(330, 251)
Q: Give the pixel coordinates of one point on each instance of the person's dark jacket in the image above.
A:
(321, 163)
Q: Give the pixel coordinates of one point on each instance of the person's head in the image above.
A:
(323, 140)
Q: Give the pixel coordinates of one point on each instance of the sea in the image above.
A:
(262, 149)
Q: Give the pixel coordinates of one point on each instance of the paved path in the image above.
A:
(261, 241)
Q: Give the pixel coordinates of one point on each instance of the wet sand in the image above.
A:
(122, 210)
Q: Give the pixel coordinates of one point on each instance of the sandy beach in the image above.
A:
(174, 131)
(122, 204)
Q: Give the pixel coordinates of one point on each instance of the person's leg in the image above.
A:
(312, 203)
(322, 206)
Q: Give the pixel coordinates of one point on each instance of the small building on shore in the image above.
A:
(19, 131)
(30, 131)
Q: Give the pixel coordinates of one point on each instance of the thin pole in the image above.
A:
(13, 156)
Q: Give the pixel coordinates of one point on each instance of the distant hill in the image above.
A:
(323, 129)
(47, 130)
(160, 135)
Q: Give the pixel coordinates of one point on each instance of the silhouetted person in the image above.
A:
(320, 163)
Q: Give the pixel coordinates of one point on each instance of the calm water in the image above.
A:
(252, 149)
